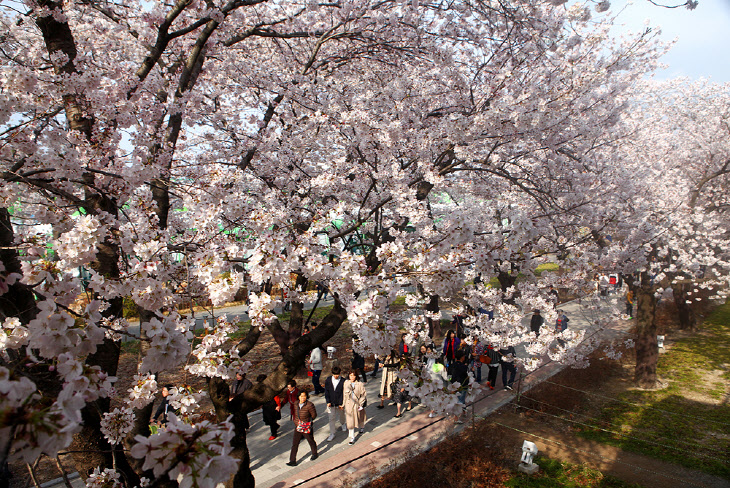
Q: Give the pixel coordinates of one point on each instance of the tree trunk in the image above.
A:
(507, 280)
(18, 301)
(685, 313)
(647, 352)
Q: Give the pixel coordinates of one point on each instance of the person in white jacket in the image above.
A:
(438, 374)
(315, 365)
(355, 401)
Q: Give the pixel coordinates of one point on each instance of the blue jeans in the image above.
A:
(478, 371)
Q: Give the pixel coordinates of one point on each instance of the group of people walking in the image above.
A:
(346, 401)
(346, 398)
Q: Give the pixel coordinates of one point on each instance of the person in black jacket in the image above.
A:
(507, 362)
(536, 322)
(358, 361)
(403, 349)
(460, 374)
(269, 412)
(240, 384)
(333, 396)
(164, 406)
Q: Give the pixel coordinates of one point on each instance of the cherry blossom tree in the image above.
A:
(672, 233)
(380, 148)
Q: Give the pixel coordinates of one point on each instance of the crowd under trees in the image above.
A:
(378, 148)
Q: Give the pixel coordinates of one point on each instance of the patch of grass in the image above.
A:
(557, 474)
(550, 267)
(687, 422)
(130, 347)
(483, 457)
(243, 328)
(130, 309)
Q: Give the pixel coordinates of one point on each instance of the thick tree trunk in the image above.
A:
(506, 280)
(647, 352)
(18, 301)
(218, 391)
(685, 313)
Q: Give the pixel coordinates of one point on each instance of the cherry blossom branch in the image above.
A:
(689, 4)
(248, 343)
(695, 193)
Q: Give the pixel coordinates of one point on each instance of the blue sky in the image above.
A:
(703, 35)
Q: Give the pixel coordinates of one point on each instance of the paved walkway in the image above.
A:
(386, 439)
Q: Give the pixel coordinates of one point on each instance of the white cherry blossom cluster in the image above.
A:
(113, 327)
(168, 336)
(142, 393)
(150, 293)
(611, 352)
(12, 334)
(47, 426)
(435, 392)
(368, 311)
(208, 266)
(78, 246)
(185, 400)
(7, 280)
(54, 332)
(197, 456)
(108, 478)
(88, 381)
(259, 308)
(217, 363)
(15, 392)
(117, 424)
(222, 289)
(37, 271)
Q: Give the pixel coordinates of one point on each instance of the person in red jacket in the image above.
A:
(290, 396)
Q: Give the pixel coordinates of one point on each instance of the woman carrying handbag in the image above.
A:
(304, 415)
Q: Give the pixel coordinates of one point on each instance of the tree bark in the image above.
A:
(19, 300)
(506, 280)
(647, 352)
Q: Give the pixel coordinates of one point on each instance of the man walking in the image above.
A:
(333, 388)
(508, 366)
(315, 365)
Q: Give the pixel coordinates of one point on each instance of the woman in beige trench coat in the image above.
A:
(355, 399)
